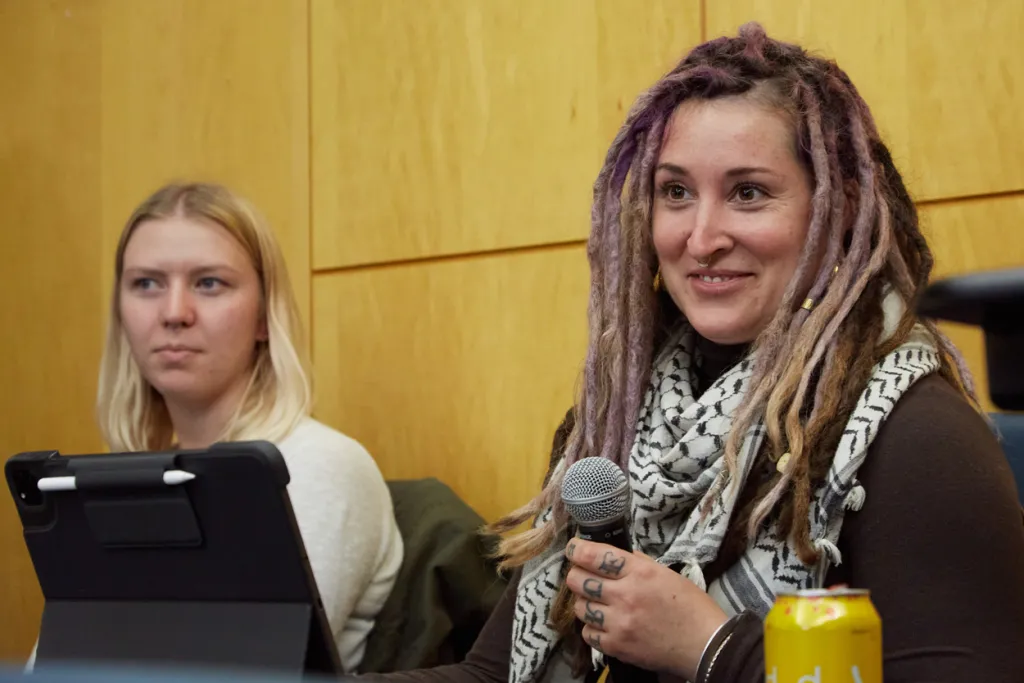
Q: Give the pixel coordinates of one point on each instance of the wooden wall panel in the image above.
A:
(471, 125)
(459, 369)
(49, 262)
(212, 91)
(634, 50)
(971, 236)
(100, 103)
(944, 79)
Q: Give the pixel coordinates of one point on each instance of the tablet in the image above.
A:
(185, 558)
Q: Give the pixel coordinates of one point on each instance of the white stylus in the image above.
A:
(171, 478)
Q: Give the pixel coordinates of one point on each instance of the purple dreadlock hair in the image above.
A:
(810, 366)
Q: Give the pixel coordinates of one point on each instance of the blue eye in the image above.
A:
(143, 283)
(209, 283)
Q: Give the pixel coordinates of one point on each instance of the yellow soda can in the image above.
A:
(823, 636)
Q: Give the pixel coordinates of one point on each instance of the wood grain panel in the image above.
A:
(971, 236)
(212, 91)
(944, 79)
(635, 49)
(100, 103)
(459, 369)
(49, 262)
(471, 125)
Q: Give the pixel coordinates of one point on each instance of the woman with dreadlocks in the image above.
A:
(785, 419)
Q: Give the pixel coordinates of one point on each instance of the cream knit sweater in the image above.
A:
(345, 515)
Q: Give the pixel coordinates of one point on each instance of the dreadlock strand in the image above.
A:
(603, 243)
(613, 336)
(595, 315)
(820, 200)
(800, 513)
(827, 272)
(797, 367)
(865, 260)
(641, 298)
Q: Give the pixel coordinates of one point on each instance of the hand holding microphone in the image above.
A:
(643, 616)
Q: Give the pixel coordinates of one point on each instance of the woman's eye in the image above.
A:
(749, 193)
(209, 283)
(675, 192)
(143, 283)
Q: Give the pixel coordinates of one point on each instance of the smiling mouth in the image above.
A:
(715, 279)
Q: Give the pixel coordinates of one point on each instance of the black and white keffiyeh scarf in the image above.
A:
(676, 458)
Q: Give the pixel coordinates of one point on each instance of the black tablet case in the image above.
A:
(211, 572)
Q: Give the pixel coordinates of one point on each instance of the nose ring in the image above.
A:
(703, 264)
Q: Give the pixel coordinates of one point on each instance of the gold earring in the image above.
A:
(657, 279)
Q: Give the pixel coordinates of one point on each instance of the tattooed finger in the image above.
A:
(594, 640)
(593, 588)
(594, 617)
(611, 564)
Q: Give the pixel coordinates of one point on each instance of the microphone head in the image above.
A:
(595, 490)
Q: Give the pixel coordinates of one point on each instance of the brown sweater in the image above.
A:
(939, 542)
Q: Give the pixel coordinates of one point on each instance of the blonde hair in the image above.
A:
(132, 415)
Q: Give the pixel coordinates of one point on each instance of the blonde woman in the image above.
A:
(202, 347)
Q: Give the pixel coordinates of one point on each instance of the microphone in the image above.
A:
(596, 495)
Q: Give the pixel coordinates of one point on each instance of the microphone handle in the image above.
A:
(615, 533)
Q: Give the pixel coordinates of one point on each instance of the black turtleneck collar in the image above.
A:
(715, 360)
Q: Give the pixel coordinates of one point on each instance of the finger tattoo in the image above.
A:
(572, 549)
(611, 564)
(593, 587)
(593, 616)
(595, 641)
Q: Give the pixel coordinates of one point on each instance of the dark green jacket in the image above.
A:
(446, 588)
